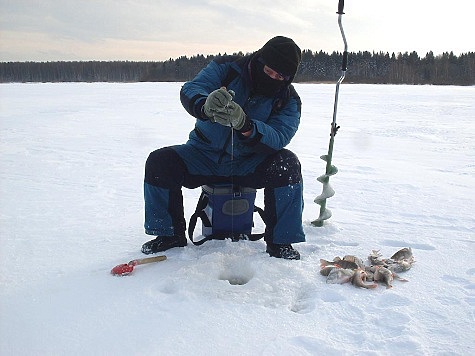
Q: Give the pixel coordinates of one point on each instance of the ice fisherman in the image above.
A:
(246, 112)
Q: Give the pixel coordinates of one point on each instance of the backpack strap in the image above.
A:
(255, 237)
(199, 213)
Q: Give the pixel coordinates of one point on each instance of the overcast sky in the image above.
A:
(155, 30)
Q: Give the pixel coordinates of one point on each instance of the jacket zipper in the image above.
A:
(226, 143)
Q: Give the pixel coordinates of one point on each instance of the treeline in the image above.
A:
(363, 67)
(118, 71)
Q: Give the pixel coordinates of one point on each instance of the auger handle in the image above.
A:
(341, 5)
(344, 63)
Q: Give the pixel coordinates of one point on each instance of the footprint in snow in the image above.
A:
(304, 302)
(388, 301)
(395, 243)
(471, 272)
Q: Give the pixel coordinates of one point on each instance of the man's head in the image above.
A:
(274, 65)
(282, 55)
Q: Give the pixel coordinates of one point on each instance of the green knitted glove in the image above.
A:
(232, 115)
(216, 101)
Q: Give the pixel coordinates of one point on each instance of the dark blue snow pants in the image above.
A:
(279, 174)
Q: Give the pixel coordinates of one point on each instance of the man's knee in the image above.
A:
(165, 168)
(284, 168)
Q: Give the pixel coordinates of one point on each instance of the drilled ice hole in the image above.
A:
(237, 272)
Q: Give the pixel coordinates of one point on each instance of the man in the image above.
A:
(247, 111)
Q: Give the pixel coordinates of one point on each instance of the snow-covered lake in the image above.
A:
(71, 208)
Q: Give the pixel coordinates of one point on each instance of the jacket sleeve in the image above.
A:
(279, 129)
(193, 94)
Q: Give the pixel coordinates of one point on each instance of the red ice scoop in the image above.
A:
(127, 268)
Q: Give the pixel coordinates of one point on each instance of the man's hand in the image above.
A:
(232, 115)
(217, 101)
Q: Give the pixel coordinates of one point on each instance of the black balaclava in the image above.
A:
(282, 55)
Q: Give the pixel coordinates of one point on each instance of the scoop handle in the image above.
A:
(143, 261)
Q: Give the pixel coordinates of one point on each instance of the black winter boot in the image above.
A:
(282, 251)
(163, 243)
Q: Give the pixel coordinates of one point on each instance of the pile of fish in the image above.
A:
(379, 270)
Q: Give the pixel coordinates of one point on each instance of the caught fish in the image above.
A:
(340, 275)
(403, 254)
(400, 266)
(402, 260)
(359, 280)
(376, 259)
(381, 270)
(325, 271)
(353, 259)
(386, 276)
(338, 262)
(324, 263)
(369, 273)
(345, 263)
(383, 275)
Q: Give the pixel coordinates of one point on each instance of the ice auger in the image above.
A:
(331, 169)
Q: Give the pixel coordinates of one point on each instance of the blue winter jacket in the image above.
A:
(275, 120)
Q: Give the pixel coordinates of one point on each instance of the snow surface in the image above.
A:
(71, 208)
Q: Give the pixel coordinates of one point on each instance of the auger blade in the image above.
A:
(327, 192)
(323, 216)
(325, 177)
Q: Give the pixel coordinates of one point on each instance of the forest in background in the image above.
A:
(363, 67)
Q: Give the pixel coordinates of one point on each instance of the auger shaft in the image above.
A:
(330, 169)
